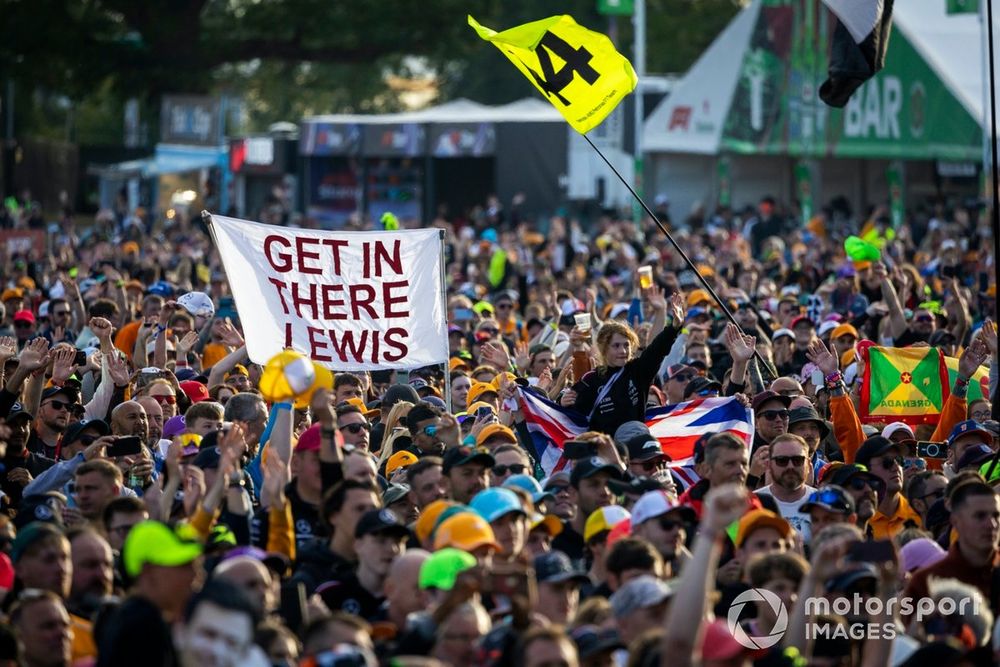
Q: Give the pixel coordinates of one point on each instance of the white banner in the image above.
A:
(349, 300)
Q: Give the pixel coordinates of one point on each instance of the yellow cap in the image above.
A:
(494, 430)
(466, 531)
(695, 297)
(760, 518)
(478, 389)
(604, 518)
(154, 543)
(429, 517)
(399, 460)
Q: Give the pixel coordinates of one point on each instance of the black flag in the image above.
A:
(859, 44)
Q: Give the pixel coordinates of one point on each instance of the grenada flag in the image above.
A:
(979, 383)
(908, 384)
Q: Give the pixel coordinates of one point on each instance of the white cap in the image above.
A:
(896, 427)
(782, 332)
(197, 303)
(653, 504)
(617, 310)
(828, 325)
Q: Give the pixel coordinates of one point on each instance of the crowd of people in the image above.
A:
(157, 509)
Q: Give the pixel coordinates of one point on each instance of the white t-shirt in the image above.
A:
(800, 521)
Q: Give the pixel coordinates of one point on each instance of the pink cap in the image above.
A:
(719, 643)
(920, 553)
(309, 440)
(195, 391)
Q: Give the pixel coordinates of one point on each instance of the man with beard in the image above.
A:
(466, 472)
(93, 571)
(864, 488)
(664, 523)
(22, 465)
(884, 459)
(806, 423)
(129, 419)
(154, 419)
(924, 489)
(52, 419)
(588, 487)
(972, 558)
(770, 411)
(787, 468)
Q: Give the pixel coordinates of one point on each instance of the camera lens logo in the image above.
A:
(755, 595)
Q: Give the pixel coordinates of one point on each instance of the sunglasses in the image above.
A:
(771, 415)
(430, 431)
(670, 524)
(831, 500)
(919, 464)
(87, 440)
(489, 330)
(783, 461)
(924, 318)
(557, 489)
(61, 313)
(651, 466)
(858, 483)
(513, 469)
(504, 306)
(891, 462)
(165, 399)
(683, 377)
(705, 393)
(21, 324)
(356, 428)
(60, 405)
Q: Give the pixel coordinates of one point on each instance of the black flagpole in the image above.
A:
(995, 212)
(704, 283)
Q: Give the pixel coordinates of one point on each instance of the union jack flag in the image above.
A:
(677, 427)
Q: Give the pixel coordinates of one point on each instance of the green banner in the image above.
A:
(904, 112)
(962, 7)
(615, 7)
(725, 181)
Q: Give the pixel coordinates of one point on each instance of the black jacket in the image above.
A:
(626, 401)
(316, 565)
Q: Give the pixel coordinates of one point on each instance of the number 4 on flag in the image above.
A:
(566, 62)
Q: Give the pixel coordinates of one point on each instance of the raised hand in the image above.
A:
(276, 477)
(521, 356)
(676, 309)
(654, 296)
(167, 312)
(101, 328)
(185, 344)
(228, 333)
(63, 366)
(496, 354)
(741, 346)
(8, 348)
(117, 369)
(322, 408)
(988, 334)
(545, 379)
(35, 354)
(823, 357)
(973, 357)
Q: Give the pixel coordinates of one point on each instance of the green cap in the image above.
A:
(34, 532)
(443, 567)
(156, 544)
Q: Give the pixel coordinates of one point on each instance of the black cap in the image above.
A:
(635, 485)
(17, 411)
(461, 455)
(585, 468)
(381, 522)
(874, 446)
(699, 384)
(807, 413)
(765, 396)
(74, 431)
(207, 459)
(591, 640)
(38, 507)
(974, 456)
(394, 493)
(831, 498)
(644, 448)
(841, 475)
(71, 392)
(555, 567)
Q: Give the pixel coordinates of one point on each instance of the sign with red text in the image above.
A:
(348, 300)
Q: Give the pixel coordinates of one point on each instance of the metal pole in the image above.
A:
(444, 314)
(687, 260)
(995, 213)
(639, 61)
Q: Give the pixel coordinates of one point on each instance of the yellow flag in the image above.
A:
(578, 70)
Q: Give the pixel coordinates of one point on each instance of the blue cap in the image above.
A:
(968, 427)
(161, 288)
(491, 504)
(531, 485)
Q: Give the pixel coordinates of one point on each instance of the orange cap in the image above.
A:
(477, 390)
(843, 330)
(399, 460)
(495, 429)
(467, 531)
(496, 381)
(695, 297)
(761, 518)
(429, 516)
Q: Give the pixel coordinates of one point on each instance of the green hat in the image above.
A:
(156, 544)
(985, 469)
(443, 567)
(34, 532)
